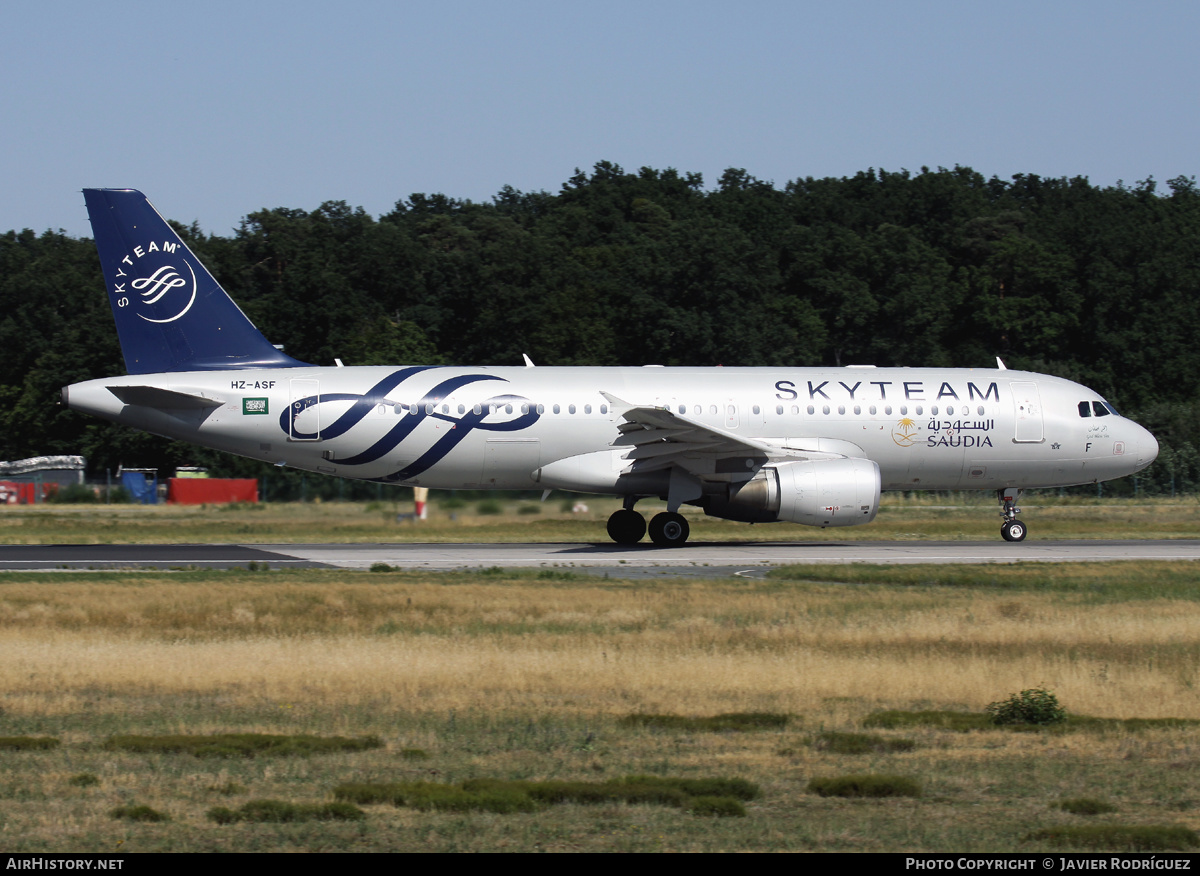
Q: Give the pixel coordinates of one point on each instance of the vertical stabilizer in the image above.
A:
(171, 313)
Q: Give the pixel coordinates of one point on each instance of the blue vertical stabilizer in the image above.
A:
(171, 313)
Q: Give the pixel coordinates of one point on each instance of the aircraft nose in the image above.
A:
(1147, 447)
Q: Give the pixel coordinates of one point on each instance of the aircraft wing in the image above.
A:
(659, 438)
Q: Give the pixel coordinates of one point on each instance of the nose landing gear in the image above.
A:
(1011, 529)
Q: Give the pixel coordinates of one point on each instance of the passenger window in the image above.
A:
(697, 410)
(557, 409)
(682, 409)
(445, 409)
(508, 409)
(872, 410)
(811, 410)
(904, 410)
(842, 409)
(779, 410)
(857, 409)
(428, 409)
(887, 410)
(1100, 409)
(932, 411)
(979, 410)
(604, 409)
(541, 409)
(712, 409)
(461, 409)
(398, 409)
(570, 409)
(524, 409)
(756, 409)
(825, 409)
(949, 410)
(587, 409)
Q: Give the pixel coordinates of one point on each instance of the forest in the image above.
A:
(941, 267)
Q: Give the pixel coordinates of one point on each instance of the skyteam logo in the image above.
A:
(155, 286)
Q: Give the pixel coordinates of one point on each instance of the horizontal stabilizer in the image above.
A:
(157, 397)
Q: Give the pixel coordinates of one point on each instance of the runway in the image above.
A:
(703, 559)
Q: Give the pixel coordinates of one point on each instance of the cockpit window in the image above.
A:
(1100, 409)
(1111, 409)
(1085, 409)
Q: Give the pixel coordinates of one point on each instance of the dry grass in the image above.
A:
(458, 641)
(514, 676)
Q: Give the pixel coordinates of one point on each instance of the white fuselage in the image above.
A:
(512, 428)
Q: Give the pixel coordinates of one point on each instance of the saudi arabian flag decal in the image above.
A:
(254, 406)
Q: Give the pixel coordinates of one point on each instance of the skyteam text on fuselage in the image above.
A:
(806, 445)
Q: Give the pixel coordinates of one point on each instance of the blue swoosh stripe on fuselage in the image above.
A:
(405, 427)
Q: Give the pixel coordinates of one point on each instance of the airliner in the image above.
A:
(814, 446)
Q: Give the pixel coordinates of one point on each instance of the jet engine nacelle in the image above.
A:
(815, 492)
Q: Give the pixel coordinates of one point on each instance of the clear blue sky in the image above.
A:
(217, 109)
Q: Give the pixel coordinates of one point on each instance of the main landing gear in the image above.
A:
(667, 529)
(1011, 529)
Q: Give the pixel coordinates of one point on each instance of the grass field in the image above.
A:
(511, 675)
(936, 516)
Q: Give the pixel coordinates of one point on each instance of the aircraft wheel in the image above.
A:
(669, 529)
(626, 526)
(1013, 530)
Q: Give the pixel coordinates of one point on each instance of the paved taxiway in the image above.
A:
(698, 558)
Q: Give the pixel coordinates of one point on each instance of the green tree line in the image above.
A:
(942, 267)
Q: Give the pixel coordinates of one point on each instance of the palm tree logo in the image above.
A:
(905, 432)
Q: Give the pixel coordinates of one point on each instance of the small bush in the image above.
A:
(721, 807)
(139, 813)
(414, 754)
(223, 815)
(1086, 806)
(503, 796)
(73, 494)
(484, 796)
(860, 743)
(711, 787)
(383, 567)
(966, 721)
(84, 780)
(1036, 706)
(282, 812)
(1125, 838)
(241, 744)
(529, 509)
(28, 743)
(489, 507)
(865, 786)
(731, 721)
